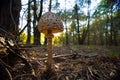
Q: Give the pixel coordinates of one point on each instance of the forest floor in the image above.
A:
(76, 62)
(79, 62)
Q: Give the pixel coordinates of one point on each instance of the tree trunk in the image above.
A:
(50, 5)
(9, 17)
(88, 26)
(36, 32)
(111, 29)
(84, 34)
(113, 33)
(29, 27)
(101, 38)
(106, 30)
(78, 27)
(67, 42)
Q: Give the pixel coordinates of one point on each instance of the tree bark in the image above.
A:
(9, 16)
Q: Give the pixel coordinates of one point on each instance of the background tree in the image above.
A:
(105, 9)
(29, 20)
(77, 19)
(37, 34)
(35, 9)
(88, 24)
(81, 27)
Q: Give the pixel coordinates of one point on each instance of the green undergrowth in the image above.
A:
(114, 54)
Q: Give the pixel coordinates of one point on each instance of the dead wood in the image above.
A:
(12, 56)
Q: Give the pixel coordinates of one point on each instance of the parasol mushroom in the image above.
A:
(50, 23)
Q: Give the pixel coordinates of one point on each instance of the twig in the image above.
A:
(24, 75)
(5, 67)
(65, 55)
(24, 27)
(88, 77)
(17, 52)
(9, 73)
(4, 64)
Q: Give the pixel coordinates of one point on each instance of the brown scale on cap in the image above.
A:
(50, 22)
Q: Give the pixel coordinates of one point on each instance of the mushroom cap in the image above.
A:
(50, 21)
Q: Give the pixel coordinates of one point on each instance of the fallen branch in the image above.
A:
(70, 55)
(30, 76)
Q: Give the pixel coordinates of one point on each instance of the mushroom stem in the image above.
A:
(49, 48)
